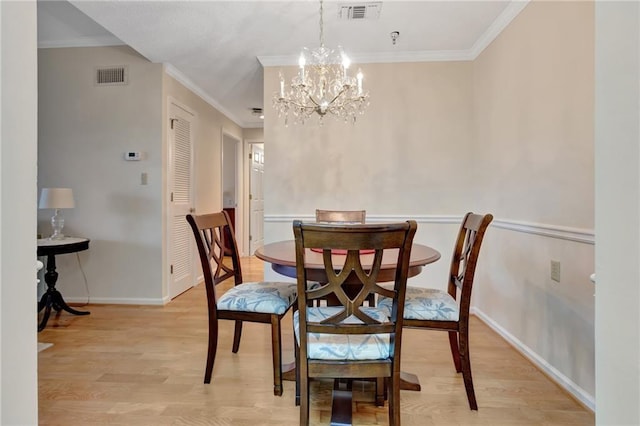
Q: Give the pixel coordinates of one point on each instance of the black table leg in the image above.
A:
(52, 298)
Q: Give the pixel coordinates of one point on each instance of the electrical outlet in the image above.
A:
(555, 270)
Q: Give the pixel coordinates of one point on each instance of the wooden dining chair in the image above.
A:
(449, 311)
(341, 216)
(261, 302)
(350, 340)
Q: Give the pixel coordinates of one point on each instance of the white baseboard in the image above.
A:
(119, 300)
(563, 381)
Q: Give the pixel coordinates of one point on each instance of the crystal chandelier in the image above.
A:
(322, 86)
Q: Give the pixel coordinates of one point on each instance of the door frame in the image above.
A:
(240, 225)
(247, 189)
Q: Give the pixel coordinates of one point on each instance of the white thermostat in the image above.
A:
(133, 155)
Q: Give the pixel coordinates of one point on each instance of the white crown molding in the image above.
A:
(417, 56)
(380, 58)
(254, 125)
(101, 41)
(184, 80)
(494, 30)
(578, 235)
(563, 381)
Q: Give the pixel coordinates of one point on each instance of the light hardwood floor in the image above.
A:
(144, 365)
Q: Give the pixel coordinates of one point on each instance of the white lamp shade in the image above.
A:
(56, 198)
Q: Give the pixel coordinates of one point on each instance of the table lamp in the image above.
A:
(56, 198)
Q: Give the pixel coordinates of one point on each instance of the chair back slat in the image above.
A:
(465, 257)
(213, 245)
(340, 216)
(346, 270)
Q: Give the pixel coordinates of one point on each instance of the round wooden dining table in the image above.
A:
(282, 256)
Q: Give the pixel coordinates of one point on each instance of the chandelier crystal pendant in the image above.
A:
(322, 86)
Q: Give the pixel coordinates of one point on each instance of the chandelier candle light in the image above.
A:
(322, 86)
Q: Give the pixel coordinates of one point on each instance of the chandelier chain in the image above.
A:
(321, 25)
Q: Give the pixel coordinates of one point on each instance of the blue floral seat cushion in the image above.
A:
(344, 346)
(265, 297)
(425, 304)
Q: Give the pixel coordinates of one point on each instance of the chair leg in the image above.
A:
(466, 369)
(276, 350)
(381, 392)
(394, 399)
(455, 352)
(211, 351)
(236, 337)
(304, 395)
(297, 355)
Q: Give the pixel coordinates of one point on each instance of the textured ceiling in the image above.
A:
(217, 48)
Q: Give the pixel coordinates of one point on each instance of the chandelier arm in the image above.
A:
(338, 95)
(302, 106)
(306, 92)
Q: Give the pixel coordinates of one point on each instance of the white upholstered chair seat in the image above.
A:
(344, 346)
(425, 304)
(265, 297)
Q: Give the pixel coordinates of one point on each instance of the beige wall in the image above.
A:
(533, 108)
(419, 122)
(83, 132)
(253, 134)
(510, 133)
(534, 158)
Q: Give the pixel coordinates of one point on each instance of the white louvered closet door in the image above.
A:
(182, 253)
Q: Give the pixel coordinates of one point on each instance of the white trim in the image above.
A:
(117, 301)
(91, 41)
(184, 80)
(380, 58)
(240, 225)
(494, 30)
(370, 218)
(246, 168)
(563, 381)
(579, 235)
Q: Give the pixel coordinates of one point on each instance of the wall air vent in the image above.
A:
(360, 11)
(112, 76)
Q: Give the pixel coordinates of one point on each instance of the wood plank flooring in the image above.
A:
(144, 365)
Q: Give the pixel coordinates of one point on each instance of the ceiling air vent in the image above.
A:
(111, 76)
(360, 11)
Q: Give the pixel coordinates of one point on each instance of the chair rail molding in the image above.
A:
(579, 235)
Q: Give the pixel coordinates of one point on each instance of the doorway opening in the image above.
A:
(231, 178)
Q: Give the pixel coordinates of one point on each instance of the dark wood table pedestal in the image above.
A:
(52, 298)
